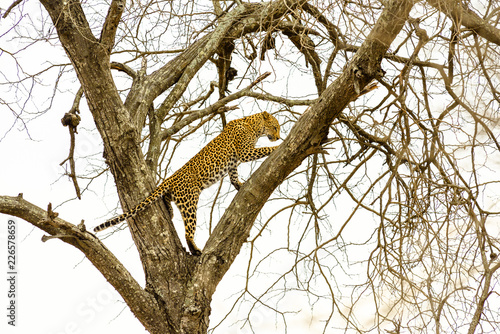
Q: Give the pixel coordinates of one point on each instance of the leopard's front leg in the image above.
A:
(256, 153)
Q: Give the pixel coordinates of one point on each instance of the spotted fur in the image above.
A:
(235, 144)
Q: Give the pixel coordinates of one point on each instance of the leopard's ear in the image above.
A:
(266, 115)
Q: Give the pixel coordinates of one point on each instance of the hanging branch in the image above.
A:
(71, 119)
(299, 36)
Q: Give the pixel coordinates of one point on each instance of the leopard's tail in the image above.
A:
(138, 208)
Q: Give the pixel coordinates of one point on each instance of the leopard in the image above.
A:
(221, 156)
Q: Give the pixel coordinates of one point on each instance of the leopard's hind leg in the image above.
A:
(188, 211)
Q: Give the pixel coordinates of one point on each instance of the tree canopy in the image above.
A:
(378, 211)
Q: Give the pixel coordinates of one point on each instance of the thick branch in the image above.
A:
(141, 303)
(71, 119)
(68, 17)
(111, 24)
(462, 15)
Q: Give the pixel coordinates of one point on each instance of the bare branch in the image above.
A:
(203, 55)
(308, 133)
(195, 115)
(110, 26)
(306, 46)
(462, 15)
(140, 302)
(123, 68)
(71, 119)
(12, 6)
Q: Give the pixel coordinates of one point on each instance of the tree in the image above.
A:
(415, 162)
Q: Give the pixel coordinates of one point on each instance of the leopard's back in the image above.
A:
(222, 155)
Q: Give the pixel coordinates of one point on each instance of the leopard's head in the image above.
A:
(271, 127)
